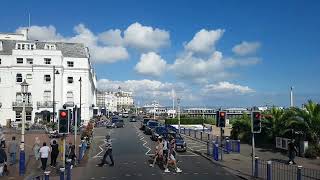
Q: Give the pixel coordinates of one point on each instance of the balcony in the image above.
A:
(17, 106)
(44, 104)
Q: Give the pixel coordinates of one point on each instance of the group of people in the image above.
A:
(13, 148)
(42, 153)
(165, 152)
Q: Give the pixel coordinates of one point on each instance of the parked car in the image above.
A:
(133, 119)
(150, 126)
(125, 115)
(144, 123)
(119, 123)
(158, 131)
(181, 144)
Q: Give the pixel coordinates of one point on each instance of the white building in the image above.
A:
(154, 108)
(111, 101)
(124, 100)
(34, 61)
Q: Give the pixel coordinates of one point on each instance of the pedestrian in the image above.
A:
(72, 154)
(171, 157)
(107, 153)
(3, 160)
(12, 150)
(2, 140)
(44, 154)
(158, 152)
(36, 150)
(54, 153)
(292, 151)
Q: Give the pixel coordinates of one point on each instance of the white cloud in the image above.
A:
(246, 48)
(204, 41)
(146, 37)
(226, 87)
(147, 90)
(151, 64)
(99, 53)
(111, 37)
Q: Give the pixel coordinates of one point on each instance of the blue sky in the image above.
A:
(277, 46)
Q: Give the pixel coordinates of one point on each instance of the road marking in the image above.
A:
(144, 143)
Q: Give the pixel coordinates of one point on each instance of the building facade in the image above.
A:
(53, 71)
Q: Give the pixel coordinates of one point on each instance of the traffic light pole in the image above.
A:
(253, 154)
(75, 128)
(64, 151)
(221, 139)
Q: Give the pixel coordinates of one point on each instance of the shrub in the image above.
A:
(312, 152)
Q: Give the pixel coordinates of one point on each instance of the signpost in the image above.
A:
(255, 128)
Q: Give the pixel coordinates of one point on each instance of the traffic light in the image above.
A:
(63, 121)
(256, 122)
(221, 117)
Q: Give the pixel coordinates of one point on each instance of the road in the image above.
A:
(131, 150)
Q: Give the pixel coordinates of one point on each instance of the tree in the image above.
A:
(241, 128)
(273, 123)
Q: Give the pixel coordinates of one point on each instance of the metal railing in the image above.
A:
(44, 104)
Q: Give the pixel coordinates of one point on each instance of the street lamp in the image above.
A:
(54, 93)
(24, 91)
(108, 109)
(178, 101)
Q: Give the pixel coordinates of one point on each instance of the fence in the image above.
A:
(273, 170)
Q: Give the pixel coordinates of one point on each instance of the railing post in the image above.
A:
(299, 173)
(238, 146)
(69, 169)
(189, 132)
(269, 173)
(195, 133)
(256, 167)
(184, 130)
(46, 176)
(201, 135)
(62, 173)
(208, 137)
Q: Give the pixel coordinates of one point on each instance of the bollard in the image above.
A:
(80, 153)
(195, 134)
(61, 173)
(69, 169)
(299, 173)
(208, 137)
(216, 152)
(184, 130)
(228, 146)
(238, 146)
(256, 167)
(201, 135)
(269, 173)
(189, 132)
(46, 175)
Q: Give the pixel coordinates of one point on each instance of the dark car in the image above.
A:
(119, 123)
(150, 126)
(144, 123)
(133, 119)
(158, 131)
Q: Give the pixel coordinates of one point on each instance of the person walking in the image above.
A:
(3, 160)
(72, 154)
(171, 157)
(158, 152)
(54, 153)
(12, 150)
(292, 151)
(107, 153)
(36, 150)
(44, 154)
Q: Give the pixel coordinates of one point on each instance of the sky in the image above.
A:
(212, 53)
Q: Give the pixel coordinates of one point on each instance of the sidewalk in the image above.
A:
(241, 164)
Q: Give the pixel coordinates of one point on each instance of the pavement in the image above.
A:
(132, 150)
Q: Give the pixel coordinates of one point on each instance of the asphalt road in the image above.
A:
(131, 150)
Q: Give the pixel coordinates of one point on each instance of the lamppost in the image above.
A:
(108, 109)
(178, 101)
(80, 80)
(54, 93)
(24, 91)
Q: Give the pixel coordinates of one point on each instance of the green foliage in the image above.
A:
(241, 128)
(312, 152)
(190, 120)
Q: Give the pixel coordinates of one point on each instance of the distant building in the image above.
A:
(154, 108)
(124, 100)
(35, 61)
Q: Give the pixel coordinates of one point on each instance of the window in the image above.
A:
(29, 76)
(19, 77)
(69, 96)
(70, 63)
(29, 61)
(19, 60)
(46, 96)
(18, 46)
(0, 61)
(18, 116)
(47, 78)
(26, 46)
(50, 47)
(18, 97)
(28, 116)
(70, 80)
(47, 61)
